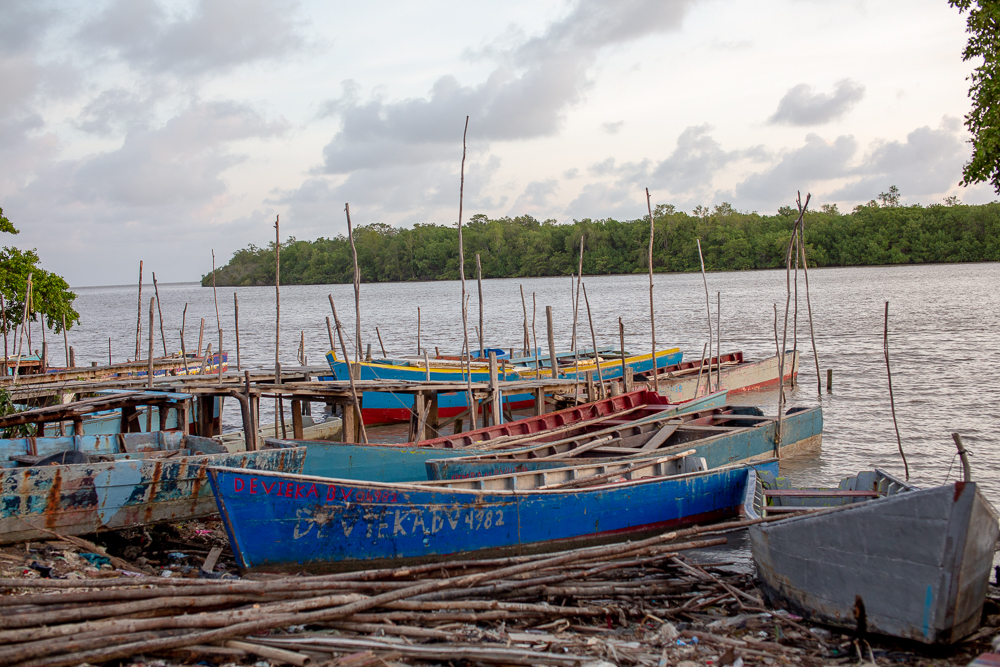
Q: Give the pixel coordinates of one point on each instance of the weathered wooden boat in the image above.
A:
(722, 436)
(114, 481)
(169, 414)
(689, 379)
(384, 407)
(298, 522)
(406, 462)
(915, 562)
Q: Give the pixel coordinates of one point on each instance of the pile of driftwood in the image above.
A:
(637, 603)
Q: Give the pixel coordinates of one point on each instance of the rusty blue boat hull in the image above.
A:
(130, 480)
(919, 561)
(297, 522)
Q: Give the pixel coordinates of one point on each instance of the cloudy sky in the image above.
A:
(163, 129)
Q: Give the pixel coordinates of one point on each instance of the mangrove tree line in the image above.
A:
(874, 234)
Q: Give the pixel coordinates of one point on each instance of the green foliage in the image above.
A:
(983, 121)
(523, 246)
(51, 299)
(8, 407)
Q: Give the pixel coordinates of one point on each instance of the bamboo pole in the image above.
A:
(187, 371)
(621, 341)
(109, 351)
(379, 334)
(784, 335)
(812, 331)
(534, 336)
(593, 340)
(652, 318)
(718, 340)
(552, 343)
(357, 287)
(708, 309)
(573, 342)
(24, 317)
(65, 339)
(892, 400)
(481, 331)
(3, 316)
(236, 315)
(350, 375)
(697, 387)
(418, 334)
(149, 367)
(461, 271)
(777, 347)
(329, 332)
(138, 319)
(159, 308)
(576, 298)
(524, 307)
(201, 335)
(279, 417)
(220, 360)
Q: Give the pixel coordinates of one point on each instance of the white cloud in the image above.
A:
(802, 106)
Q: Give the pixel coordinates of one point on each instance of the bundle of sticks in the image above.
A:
(496, 611)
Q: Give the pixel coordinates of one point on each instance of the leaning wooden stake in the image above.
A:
(24, 318)
(784, 335)
(812, 330)
(621, 341)
(201, 335)
(350, 373)
(481, 332)
(215, 296)
(534, 335)
(329, 332)
(576, 313)
(236, 314)
(461, 272)
(278, 409)
(159, 307)
(138, 319)
(379, 335)
(65, 340)
(892, 400)
(697, 387)
(652, 318)
(357, 287)
(552, 342)
(187, 371)
(3, 317)
(418, 333)
(593, 340)
(708, 309)
(718, 340)
(149, 367)
(524, 307)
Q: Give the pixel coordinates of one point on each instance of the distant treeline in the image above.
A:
(872, 234)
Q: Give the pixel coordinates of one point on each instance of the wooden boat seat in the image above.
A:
(818, 493)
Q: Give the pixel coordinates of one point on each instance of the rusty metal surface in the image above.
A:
(134, 489)
(919, 561)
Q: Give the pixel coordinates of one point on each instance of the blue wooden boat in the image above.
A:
(722, 436)
(918, 561)
(296, 522)
(384, 407)
(406, 463)
(611, 366)
(77, 485)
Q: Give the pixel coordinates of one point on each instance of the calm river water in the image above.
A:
(943, 322)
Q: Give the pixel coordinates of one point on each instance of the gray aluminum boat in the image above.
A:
(917, 560)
